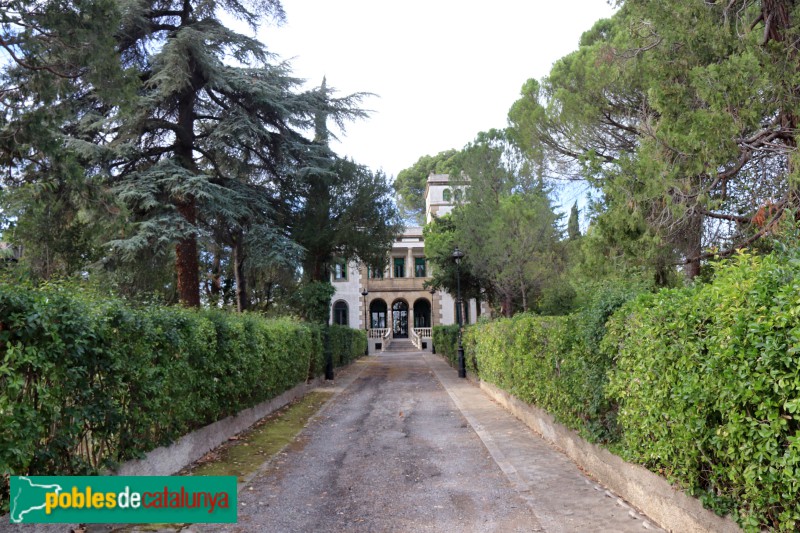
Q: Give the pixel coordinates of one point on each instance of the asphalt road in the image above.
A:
(406, 446)
(391, 452)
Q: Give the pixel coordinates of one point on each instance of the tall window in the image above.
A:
(340, 313)
(419, 267)
(446, 195)
(339, 272)
(399, 267)
(375, 272)
(377, 313)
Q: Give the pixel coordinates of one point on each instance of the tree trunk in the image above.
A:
(215, 289)
(186, 259)
(242, 299)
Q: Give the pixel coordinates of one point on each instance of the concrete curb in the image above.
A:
(167, 460)
(650, 493)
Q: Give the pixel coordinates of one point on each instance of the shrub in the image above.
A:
(555, 362)
(445, 340)
(709, 391)
(347, 344)
(87, 382)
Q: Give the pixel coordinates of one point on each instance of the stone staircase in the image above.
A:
(400, 345)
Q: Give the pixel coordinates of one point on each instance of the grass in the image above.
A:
(244, 454)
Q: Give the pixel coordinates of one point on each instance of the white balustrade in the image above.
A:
(423, 332)
(378, 333)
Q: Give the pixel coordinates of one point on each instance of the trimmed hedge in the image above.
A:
(554, 362)
(88, 382)
(700, 384)
(445, 340)
(347, 344)
(708, 384)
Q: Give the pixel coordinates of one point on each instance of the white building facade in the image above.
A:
(396, 305)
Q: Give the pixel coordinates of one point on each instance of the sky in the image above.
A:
(442, 70)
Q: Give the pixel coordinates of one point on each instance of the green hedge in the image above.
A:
(88, 382)
(445, 340)
(700, 384)
(554, 362)
(347, 344)
(708, 385)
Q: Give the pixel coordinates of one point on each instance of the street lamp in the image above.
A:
(432, 290)
(458, 255)
(366, 330)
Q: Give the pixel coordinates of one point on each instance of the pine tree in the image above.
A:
(573, 225)
(344, 210)
(203, 125)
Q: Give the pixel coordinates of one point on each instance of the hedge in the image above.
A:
(445, 341)
(88, 382)
(708, 385)
(554, 362)
(700, 384)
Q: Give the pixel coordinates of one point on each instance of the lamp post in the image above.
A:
(366, 329)
(433, 346)
(458, 255)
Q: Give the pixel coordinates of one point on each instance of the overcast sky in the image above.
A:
(442, 70)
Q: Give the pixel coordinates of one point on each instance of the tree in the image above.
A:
(688, 134)
(207, 137)
(343, 211)
(506, 227)
(409, 185)
(573, 225)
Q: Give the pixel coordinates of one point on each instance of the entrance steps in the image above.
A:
(400, 345)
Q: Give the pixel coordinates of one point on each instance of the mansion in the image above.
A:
(393, 304)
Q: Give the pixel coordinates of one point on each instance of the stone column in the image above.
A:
(410, 261)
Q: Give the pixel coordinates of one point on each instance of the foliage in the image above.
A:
(506, 227)
(707, 384)
(445, 340)
(682, 115)
(313, 301)
(346, 213)
(347, 344)
(441, 238)
(87, 382)
(554, 362)
(409, 185)
(132, 131)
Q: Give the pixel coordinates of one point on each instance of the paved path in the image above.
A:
(407, 446)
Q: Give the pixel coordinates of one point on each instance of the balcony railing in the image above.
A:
(423, 332)
(378, 333)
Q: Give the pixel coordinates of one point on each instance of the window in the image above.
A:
(340, 313)
(399, 267)
(375, 272)
(446, 195)
(339, 272)
(457, 194)
(422, 313)
(377, 312)
(419, 267)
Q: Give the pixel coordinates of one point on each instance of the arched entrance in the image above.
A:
(422, 313)
(400, 319)
(377, 313)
